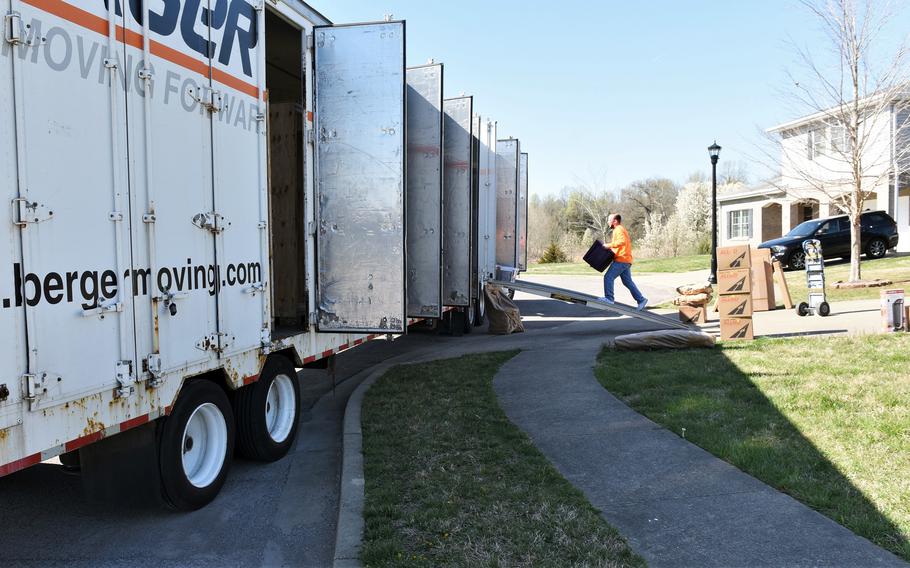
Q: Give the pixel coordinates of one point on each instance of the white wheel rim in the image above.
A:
(204, 445)
(280, 408)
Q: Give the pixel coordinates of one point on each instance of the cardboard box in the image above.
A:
(893, 310)
(735, 306)
(733, 258)
(734, 282)
(692, 314)
(762, 281)
(736, 328)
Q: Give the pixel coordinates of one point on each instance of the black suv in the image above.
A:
(878, 234)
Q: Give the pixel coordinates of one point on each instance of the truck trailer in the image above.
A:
(204, 198)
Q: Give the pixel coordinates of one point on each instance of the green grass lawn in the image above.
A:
(677, 264)
(824, 420)
(894, 268)
(450, 481)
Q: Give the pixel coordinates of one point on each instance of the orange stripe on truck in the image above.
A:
(99, 25)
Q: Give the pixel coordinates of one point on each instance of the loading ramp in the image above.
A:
(591, 302)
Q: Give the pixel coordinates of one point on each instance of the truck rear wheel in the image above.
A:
(267, 412)
(480, 308)
(469, 314)
(196, 445)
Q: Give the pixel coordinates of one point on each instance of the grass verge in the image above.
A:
(894, 268)
(824, 420)
(676, 264)
(450, 481)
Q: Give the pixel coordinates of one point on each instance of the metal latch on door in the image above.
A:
(214, 222)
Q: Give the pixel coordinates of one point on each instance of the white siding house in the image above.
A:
(809, 148)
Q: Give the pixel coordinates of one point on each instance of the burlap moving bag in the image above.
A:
(664, 339)
(502, 312)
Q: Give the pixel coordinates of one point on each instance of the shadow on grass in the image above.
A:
(783, 419)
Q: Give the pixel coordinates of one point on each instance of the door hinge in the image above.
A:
(123, 372)
(35, 388)
(217, 342)
(25, 212)
(310, 41)
(214, 222)
(310, 136)
(13, 29)
(214, 102)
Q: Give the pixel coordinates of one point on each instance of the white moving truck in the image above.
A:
(203, 196)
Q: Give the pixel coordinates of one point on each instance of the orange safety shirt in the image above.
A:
(621, 244)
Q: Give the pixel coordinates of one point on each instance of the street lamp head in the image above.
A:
(714, 152)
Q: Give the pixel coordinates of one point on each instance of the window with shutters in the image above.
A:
(739, 224)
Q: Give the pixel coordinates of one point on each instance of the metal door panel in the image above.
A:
(507, 157)
(523, 212)
(476, 277)
(73, 210)
(12, 322)
(458, 158)
(424, 193)
(174, 273)
(487, 201)
(360, 177)
(239, 155)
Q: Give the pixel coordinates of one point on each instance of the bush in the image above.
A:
(553, 254)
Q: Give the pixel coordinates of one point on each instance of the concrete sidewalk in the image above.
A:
(675, 503)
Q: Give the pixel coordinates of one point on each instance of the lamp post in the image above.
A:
(714, 152)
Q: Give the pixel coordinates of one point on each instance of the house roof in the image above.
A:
(827, 112)
(762, 190)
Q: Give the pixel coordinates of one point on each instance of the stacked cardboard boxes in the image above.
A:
(734, 288)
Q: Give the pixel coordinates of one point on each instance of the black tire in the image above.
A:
(468, 318)
(802, 309)
(876, 248)
(797, 260)
(173, 442)
(480, 308)
(256, 430)
(824, 309)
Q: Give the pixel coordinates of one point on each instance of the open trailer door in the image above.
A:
(523, 212)
(424, 194)
(458, 170)
(360, 124)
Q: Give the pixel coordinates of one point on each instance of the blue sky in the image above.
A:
(625, 89)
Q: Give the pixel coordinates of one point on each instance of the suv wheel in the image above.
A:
(877, 248)
(797, 260)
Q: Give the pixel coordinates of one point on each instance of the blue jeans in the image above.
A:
(624, 271)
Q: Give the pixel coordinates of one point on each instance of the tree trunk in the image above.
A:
(855, 250)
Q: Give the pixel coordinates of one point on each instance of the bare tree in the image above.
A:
(590, 204)
(733, 172)
(648, 201)
(855, 100)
